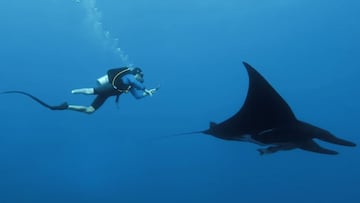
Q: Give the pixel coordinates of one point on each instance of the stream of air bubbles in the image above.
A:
(94, 18)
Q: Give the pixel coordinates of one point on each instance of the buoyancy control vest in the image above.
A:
(115, 76)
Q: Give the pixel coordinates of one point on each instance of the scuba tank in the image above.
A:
(103, 80)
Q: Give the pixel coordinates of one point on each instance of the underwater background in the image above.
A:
(308, 50)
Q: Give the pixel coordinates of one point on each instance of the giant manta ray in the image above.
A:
(266, 119)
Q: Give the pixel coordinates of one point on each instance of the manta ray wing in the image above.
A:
(262, 110)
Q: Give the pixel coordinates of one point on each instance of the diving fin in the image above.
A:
(62, 106)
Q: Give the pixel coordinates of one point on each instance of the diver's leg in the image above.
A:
(83, 91)
(84, 109)
(102, 92)
(99, 101)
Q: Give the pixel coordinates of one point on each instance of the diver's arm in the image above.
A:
(138, 89)
(138, 94)
(133, 82)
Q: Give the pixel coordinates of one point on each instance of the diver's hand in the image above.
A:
(150, 92)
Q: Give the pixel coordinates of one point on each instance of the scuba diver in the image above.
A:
(116, 82)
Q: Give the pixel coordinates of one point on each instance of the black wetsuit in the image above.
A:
(120, 81)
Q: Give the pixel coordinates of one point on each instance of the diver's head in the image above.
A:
(139, 75)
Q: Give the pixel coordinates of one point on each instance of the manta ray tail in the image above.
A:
(176, 135)
(188, 133)
(62, 106)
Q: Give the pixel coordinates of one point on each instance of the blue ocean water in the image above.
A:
(308, 50)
